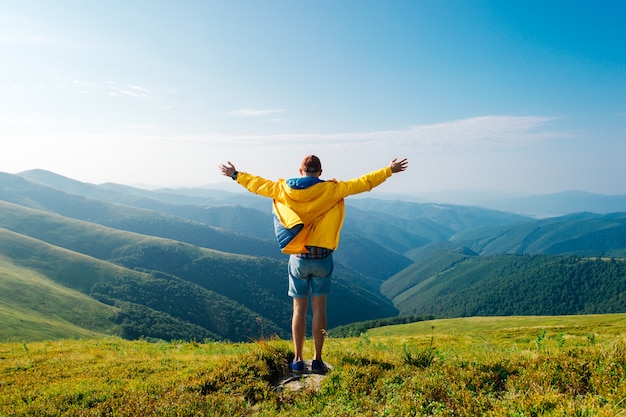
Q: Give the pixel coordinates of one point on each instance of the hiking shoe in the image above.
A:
(318, 367)
(297, 367)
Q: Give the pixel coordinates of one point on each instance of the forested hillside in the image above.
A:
(86, 275)
(456, 285)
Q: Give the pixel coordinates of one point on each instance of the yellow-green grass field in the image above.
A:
(487, 366)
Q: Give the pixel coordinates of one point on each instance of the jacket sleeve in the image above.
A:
(363, 183)
(258, 185)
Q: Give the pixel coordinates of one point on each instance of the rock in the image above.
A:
(306, 380)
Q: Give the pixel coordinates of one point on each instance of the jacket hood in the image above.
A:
(302, 183)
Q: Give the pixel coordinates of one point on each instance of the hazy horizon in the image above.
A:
(224, 184)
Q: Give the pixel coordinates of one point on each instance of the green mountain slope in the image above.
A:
(583, 234)
(33, 307)
(510, 285)
(448, 218)
(233, 229)
(249, 288)
(159, 200)
(411, 280)
(155, 223)
(559, 204)
(218, 317)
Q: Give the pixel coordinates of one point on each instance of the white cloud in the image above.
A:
(132, 91)
(255, 112)
(115, 89)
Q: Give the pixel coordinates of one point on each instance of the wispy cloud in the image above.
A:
(140, 127)
(477, 132)
(484, 131)
(255, 112)
(133, 91)
(116, 89)
(166, 98)
(23, 32)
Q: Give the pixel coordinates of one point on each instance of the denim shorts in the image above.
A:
(309, 275)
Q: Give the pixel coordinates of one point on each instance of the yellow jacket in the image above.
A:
(315, 204)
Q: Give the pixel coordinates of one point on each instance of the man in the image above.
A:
(308, 216)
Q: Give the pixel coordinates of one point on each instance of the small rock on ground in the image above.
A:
(306, 380)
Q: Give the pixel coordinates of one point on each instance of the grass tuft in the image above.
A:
(422, 358)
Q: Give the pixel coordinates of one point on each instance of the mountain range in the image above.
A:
(82, 259)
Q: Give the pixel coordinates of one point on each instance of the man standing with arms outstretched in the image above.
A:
(308, 216)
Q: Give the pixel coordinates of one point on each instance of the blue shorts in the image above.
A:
(309, 275)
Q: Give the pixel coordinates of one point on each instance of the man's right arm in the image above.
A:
(258, 185)
(254, 184)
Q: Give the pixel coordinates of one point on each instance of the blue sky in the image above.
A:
(522, 97)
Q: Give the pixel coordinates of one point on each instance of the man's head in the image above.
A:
(311, 166)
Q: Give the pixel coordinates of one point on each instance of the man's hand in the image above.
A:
(227, 170)
(399, 166)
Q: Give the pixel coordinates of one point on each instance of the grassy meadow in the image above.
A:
(488, 366)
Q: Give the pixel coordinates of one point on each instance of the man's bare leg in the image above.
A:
(319, 324)
(298, 326)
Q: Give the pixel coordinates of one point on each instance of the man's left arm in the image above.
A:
(373, 179)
